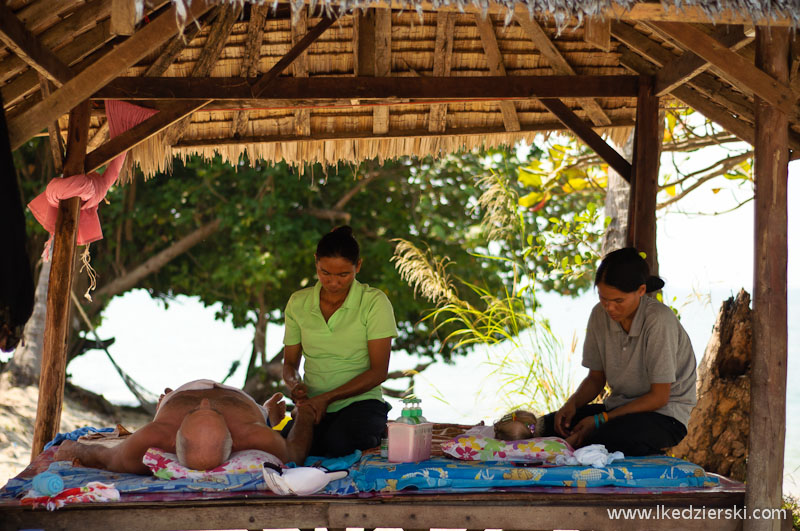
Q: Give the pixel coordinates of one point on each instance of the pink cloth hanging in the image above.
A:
(93, 187)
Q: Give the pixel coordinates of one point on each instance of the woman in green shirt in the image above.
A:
(344, 330)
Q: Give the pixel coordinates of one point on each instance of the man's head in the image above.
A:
(203, 441)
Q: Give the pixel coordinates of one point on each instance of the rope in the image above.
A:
(138, 391)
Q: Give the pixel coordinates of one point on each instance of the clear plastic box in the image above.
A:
(409, 442)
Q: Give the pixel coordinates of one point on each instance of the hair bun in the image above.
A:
(654, 284)
(345, 230)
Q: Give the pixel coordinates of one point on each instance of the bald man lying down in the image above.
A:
(202, 422)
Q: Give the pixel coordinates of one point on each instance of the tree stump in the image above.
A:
(720, 423)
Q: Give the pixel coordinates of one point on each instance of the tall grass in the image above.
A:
(520, 347)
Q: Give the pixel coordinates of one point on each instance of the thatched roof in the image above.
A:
(336, 102)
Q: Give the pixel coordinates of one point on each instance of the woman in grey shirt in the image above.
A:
(638, 347)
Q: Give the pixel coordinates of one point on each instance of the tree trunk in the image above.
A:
(720, 423)
(616, 204)
(25, 366)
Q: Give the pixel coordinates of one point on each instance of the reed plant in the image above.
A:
(520, 347)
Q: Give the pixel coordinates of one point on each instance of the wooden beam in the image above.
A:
(172, 51)
(302, 117)
(23, 43)
(123, 17)
(141, 132)
(597, 32)
(558, 63)
(267, 79)
(72, 54)
(172, 114)
(383, 63)
(583, 131)
(496, 67)
(732, 64)
(680, 70)
(325, 88)
(770, 339)
(56, 330)
(367, 135)
(54, 132)
(442, 62)
(125, 55)
(79, 21)
(644, 182)
(215, 42)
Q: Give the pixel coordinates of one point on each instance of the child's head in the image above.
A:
(515, 426)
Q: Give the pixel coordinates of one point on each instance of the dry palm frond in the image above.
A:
(499, 203)
(425, 273)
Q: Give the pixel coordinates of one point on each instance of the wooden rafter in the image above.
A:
(442, 62)
(217, 37)
(558, 63)
(83, 85)
(383, 63)
(597, 32)
(172, 114)
(79, 21)
(25, 45)
(73, 52)
(680, 70)
(589, 137)
(173, 50)
(54, 132)
(496, 67)
(302, 117)
(123, 17)
(732, 64)
(473, 87)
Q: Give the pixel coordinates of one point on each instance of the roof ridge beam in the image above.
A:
(558, 63)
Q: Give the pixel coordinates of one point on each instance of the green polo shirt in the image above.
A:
(335, 352)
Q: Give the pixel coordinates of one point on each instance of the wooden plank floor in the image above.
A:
(517, 511)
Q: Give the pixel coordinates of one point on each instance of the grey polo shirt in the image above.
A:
(656, 350)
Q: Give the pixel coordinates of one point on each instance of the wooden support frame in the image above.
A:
(770, 340)
(56, 330)
(302, 117)
(558, 63)
(589, 137)
(98, 75)
(644, 182)
(732, 64)
(23, 43)
(173, 114)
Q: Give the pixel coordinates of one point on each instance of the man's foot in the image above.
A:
(276, 409)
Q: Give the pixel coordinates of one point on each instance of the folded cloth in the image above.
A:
(300, 481)
(92, 492)
(594, 455)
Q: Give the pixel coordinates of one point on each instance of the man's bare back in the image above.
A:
(195, 413)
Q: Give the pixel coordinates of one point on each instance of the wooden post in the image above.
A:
(768, 385)
(54, 352)
(644, 182)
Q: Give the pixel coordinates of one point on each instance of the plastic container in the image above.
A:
(409, 442)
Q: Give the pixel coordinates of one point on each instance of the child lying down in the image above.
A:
(518, 425)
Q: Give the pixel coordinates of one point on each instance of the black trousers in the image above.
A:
(359, 426)
(635, 434)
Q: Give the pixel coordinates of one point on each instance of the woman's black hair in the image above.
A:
(626, 270)
(339, 243)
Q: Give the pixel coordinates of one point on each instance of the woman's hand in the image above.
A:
(563, 420)
(319, 404)
(581, 432)
(299, 392)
